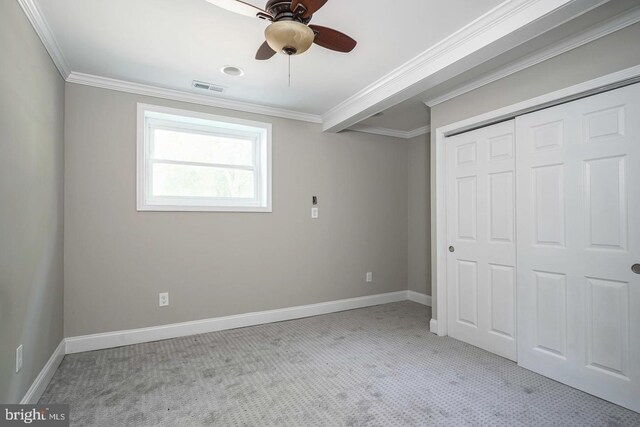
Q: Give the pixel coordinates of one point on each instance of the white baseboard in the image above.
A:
(433, 326)
(156, 333)
(42, 380)
(420, 298)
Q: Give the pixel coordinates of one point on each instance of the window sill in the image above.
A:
(165, 208)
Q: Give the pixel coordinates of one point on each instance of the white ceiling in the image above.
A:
(169, 43)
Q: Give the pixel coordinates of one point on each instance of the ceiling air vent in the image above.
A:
(208, 86)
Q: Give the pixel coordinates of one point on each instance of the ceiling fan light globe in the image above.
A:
(289, 36)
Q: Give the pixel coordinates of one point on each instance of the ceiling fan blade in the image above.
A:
(312, 6)
(265, 52)
(238, 6)
(332, 39)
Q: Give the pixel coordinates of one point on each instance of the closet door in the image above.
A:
(481, 235)
(578, 215)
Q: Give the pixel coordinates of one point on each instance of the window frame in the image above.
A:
(151, 117)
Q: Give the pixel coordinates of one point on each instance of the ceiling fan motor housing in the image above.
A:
(281, 11)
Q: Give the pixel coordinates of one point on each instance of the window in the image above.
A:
(190, 161)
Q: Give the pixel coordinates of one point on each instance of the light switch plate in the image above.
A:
(314, 213)
(369, 276)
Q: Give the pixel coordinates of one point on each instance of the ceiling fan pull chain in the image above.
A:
(289, 70)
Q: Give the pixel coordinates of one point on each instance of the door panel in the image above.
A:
(467, 291)
(551, 313)
(578, 234)
(548, 205)
(481, 228)
(501, 207)
(606, 203)
(608, 326)
(466, 208)
(502, 309)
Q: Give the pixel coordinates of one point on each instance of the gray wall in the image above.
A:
(419, 215)
(117, 260)
(609, 54)
(31, 211)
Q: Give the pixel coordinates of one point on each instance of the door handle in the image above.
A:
(452, 249)
(635, 268)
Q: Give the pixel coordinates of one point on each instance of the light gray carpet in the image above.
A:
(377, 366)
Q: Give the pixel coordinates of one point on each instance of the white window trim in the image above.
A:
(263, 159)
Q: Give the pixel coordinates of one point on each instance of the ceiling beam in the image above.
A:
(402, 134)
(508, 25)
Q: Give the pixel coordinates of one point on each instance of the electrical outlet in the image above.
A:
(18, 358)
(314, 213)
(164, 299)
(369, 276)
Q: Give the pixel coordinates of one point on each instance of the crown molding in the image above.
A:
(496, 24)
(593, 33)
(192, 98)
(39, 24)
(391, 132)
(43, 30)
(419, 131)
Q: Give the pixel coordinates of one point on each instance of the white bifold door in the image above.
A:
(481, 231)
(578, 239)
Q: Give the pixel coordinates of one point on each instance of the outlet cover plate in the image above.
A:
(19, 358)
(164, 299)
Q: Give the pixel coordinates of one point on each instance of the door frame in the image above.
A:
(438, 174)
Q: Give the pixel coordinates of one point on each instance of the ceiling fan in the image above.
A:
(289, 31)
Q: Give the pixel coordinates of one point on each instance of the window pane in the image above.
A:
(200, 181)
(192, 147)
